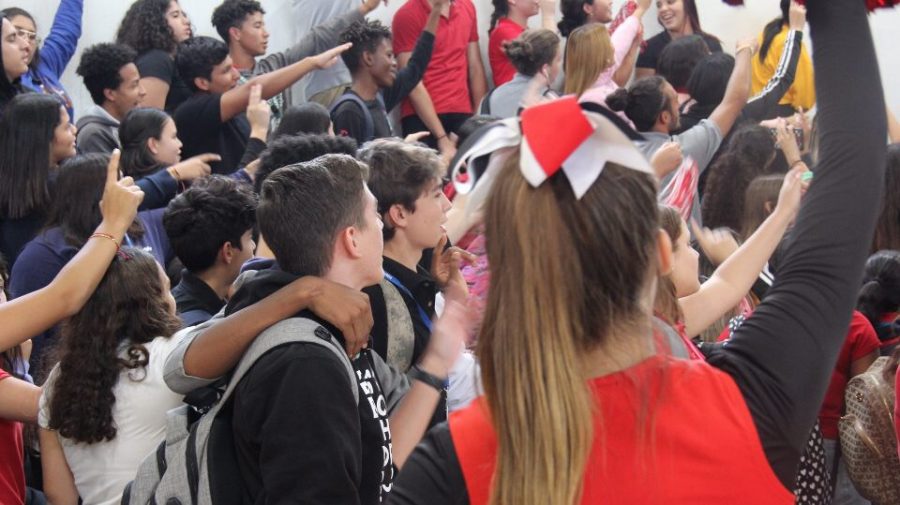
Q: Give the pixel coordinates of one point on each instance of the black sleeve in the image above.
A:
(759, 107)
(431, 474)
(159, 188)
(410, 75)
(255, 147)
(299, 416)
(348, 121)
(156, 63)
(782, 357)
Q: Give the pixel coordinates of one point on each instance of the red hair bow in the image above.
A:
(871, 4)
(553, 136)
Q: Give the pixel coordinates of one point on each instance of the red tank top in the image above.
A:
(705, 448)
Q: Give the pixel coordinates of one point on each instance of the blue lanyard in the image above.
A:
(422, 314)
(128, 241)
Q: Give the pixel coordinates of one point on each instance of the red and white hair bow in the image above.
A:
(553, 136)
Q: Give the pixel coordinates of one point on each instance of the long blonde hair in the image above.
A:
(572, 271)
(589, 51)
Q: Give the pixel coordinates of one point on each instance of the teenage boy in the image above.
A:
(114, 83)
(406, 181)
(454, 82)
(242, 26)
(211, 121)
(210, 229)
(361, 112)
(299, 435)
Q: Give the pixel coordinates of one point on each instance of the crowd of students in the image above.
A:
(623, 267)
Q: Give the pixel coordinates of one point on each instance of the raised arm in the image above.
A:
(738, 90)
(237, 99)
(59, 46)
(24, 317)
(733, 279)
(782, 357)
(759, 106)
(413, 68)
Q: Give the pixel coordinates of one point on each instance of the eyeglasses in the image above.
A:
(30, 36)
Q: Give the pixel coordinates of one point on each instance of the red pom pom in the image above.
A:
(871, 4)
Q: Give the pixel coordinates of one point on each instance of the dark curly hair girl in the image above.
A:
(144, 27)
(749, 154)
(128, 309)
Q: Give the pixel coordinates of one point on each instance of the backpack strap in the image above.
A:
(349, 96)
(290, 331)
(485, 109)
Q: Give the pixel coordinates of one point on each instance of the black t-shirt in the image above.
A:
(200, 128)
(350, 120)
(650, 52)
(299, 438)
(157, 63)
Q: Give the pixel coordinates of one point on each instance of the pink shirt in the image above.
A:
(622, 39)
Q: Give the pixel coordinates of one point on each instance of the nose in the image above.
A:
(141, 91)
(446, 204)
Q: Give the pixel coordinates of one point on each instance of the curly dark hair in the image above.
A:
(365, 36)
(198, 222)
(295, 149)
(145, 27)
(100, 65)
(749, 154)
(232, 13)
(128, 307)
(197, 57)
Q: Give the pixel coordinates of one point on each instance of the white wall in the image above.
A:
(102, 17)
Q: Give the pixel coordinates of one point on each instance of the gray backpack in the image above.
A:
(196, 464)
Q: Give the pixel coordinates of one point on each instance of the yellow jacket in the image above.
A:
(803, 92)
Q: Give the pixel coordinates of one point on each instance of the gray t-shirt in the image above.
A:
(307, 15)
(700, 143)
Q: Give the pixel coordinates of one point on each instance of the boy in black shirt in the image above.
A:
(212, 119)
(299, 436)
(210, 228)
(361, 112)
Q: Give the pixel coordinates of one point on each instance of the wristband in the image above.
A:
(416, 373)
(794, 164)
(441, 137)
(106, 236)
(738, 50)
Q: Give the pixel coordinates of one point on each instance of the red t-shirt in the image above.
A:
(861, 341)
(698, 425)
(12, 473)
(447, 75)
(502, 69)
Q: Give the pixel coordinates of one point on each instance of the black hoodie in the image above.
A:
(298, 435)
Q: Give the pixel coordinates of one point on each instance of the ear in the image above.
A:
(769, 206)
(234, 33)
(664, 253)
(347, 243)
(397, 216)
(588, 8)
(201, 83)
(226, 253)
(153, 145)
(665, 118)
(109, 94)
(368, 58)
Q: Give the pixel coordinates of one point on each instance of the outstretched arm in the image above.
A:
(237, 99)
(24, 317)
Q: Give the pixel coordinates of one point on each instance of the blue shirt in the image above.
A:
(56, 52)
